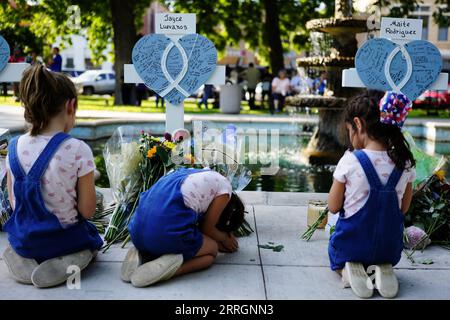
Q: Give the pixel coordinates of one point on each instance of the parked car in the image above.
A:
(95, 81)
(438, 100)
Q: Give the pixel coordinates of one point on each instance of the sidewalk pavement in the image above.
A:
(299, 271)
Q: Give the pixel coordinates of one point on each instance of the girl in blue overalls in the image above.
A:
(372, 191)
(180, 224)
(50, 185)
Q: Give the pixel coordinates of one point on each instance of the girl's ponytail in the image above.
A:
(382, 125)
(43, 94)
(398, 147)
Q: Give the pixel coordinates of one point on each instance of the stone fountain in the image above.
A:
(334, 46)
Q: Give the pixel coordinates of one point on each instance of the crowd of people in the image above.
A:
(260, 84)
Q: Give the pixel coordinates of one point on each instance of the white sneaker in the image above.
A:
(385, 281)
(19, 267)
(132, 261)
(160, 269)
(359, 281)
(53, 272)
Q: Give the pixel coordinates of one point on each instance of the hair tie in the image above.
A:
(394, 108)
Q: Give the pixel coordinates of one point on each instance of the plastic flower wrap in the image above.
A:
(122, 159)
(426, 165)
(222, 150)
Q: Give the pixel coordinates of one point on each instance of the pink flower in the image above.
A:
(417, 238)
(181, 135)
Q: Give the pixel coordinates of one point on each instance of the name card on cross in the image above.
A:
(401, 30)
(175, 23)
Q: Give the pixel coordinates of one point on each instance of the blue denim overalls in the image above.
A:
(33, 231)
(373, 235)
(162, 223)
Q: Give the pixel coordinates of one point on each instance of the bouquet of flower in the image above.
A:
(134, 163)
(430, 212)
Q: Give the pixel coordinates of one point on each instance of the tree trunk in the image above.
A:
(272, 30)
(123, 18)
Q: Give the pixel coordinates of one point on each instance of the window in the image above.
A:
(69, 63)
(422, 9)
(112, 76)
(101, 77)
(443, 34)
(425, 24)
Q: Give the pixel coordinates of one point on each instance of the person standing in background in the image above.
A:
(56, 61)
(281, 86)
(207, 93)
(253, 77)
(320, 84)
(17, 57)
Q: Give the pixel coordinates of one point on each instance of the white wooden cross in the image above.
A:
(400, 31)
(174, 26)
(13, 72)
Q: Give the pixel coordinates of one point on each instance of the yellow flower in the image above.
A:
(189, 159)
(169, 145)
(151, 152)
(440, 174)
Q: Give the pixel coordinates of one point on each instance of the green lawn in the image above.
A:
(148, 106)
(190, 106)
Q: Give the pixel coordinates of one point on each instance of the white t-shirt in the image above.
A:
(73, 160)
(200, 189)
(281, 86)
(350, 172)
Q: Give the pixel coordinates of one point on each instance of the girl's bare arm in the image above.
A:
(212, 217)
(9, 186)
(86, 196)
(336, 196)
(407, 197)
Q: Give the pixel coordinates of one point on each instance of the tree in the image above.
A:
(101, 21)
(269, 26)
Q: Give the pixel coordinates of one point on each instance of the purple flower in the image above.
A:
(417, 238)
(167, 136)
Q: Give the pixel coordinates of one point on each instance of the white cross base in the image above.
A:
(13, 72)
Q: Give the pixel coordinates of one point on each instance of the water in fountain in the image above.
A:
(334, 46)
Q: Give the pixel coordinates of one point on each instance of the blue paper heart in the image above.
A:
(426, 62)
(4, 53)
(154, 51)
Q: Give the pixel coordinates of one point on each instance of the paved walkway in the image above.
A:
(300, 271)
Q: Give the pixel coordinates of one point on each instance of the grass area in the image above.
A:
(190, 106)
(148, 106)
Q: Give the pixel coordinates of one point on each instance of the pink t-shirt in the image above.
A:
(350, 172)
(73, 160)
(200, 189)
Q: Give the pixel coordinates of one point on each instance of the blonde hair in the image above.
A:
(44, 94)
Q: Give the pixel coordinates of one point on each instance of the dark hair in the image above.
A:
(43, 94)
(232, 216)
(56, 48)
(365, 107)
(251, 64)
